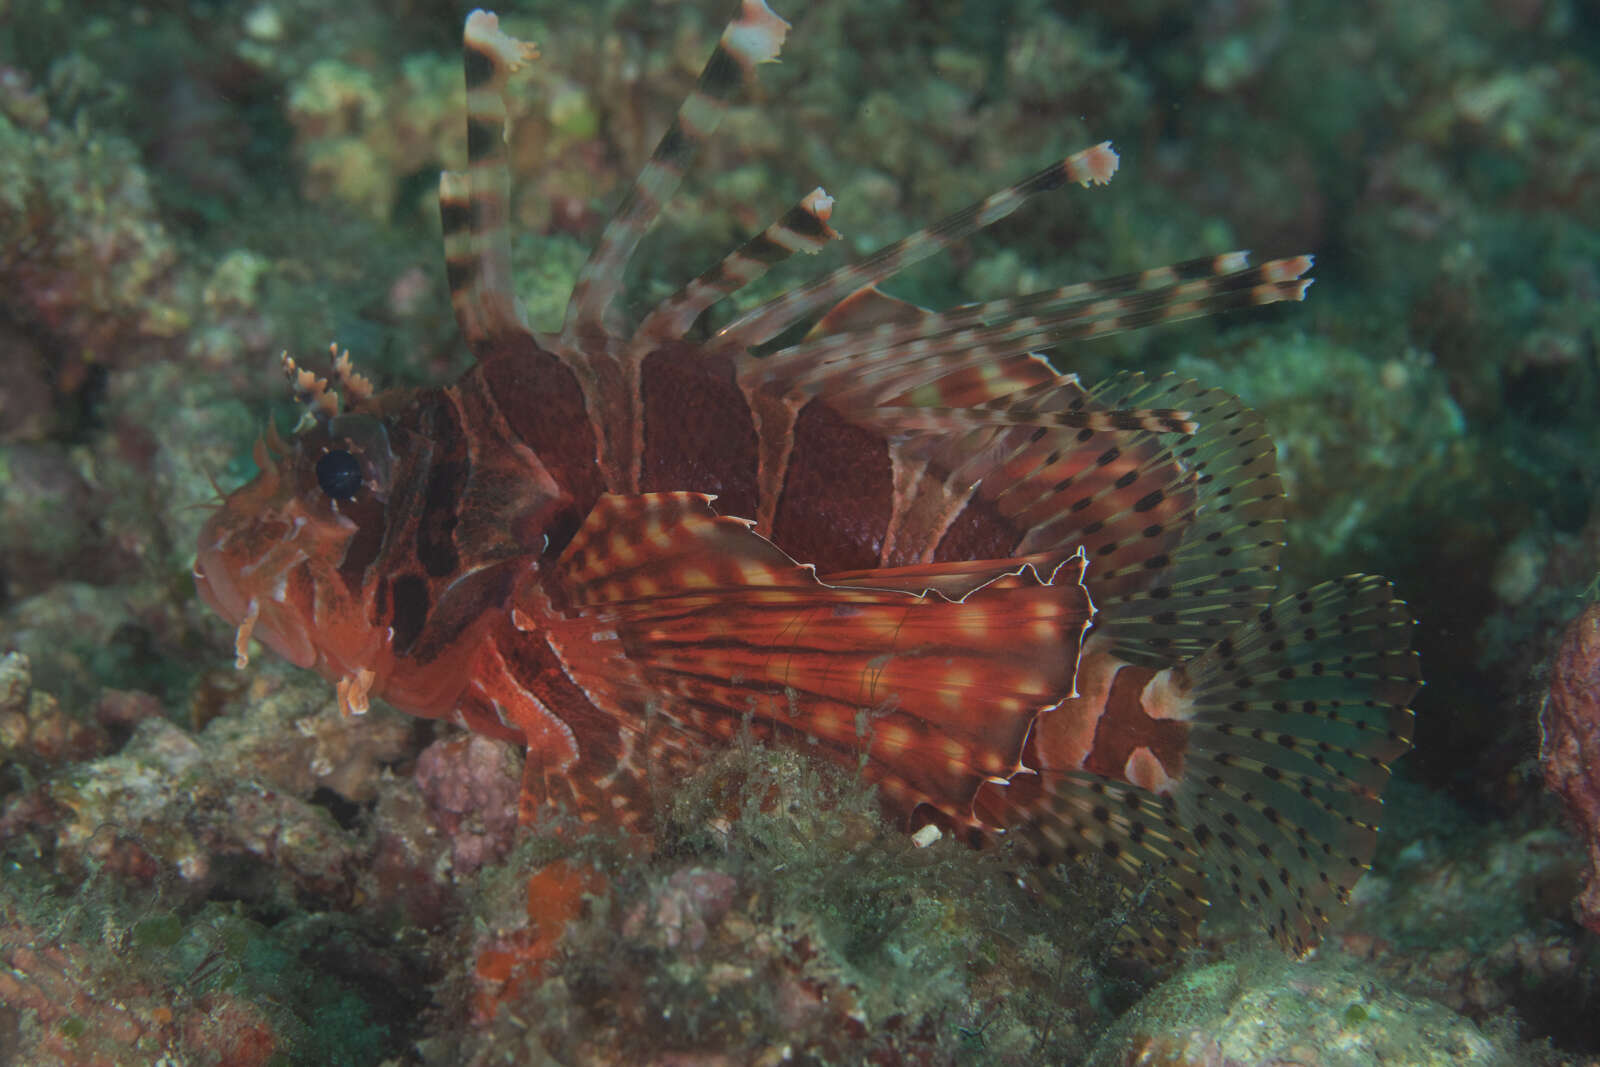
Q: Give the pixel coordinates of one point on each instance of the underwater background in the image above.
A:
(208, 866)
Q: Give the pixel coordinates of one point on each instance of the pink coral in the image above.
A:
(1570, 750)
(683, 910)
(471, 784)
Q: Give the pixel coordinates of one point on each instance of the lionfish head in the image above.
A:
(283, 557)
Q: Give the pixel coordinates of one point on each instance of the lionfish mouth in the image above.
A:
(259, 609)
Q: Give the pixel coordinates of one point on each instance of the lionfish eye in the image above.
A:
(339, 474)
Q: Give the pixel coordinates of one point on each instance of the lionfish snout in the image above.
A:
(247, 556)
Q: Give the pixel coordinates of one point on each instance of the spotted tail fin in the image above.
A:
(1259, 764)
(1295, 721)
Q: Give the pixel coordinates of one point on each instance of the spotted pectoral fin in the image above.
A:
(1256, 769)
(1174, 602)
(929, 696)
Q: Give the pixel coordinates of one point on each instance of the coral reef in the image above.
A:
(67, 1002)
(471, 785)
(211, 866)
(35, 733)
(775, 919)
(1571, 748)
(1263, 1010)
(85, 257)
(1478, 920)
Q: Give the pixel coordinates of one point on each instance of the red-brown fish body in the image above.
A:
(886, 538)
(456, 580)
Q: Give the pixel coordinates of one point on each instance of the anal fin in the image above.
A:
(1074, 815)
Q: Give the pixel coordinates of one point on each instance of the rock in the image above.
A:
(1570, 749)
(1265, 1010)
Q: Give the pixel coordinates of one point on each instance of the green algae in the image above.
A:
(200, 954)
(158, 932)
(924, 952)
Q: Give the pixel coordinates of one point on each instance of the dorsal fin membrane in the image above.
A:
(803, 228)
(866, 368)
(474, 206)
(865, 309)
(1121, 496)
(754, 36)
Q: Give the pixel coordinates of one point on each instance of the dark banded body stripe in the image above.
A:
(825, 481)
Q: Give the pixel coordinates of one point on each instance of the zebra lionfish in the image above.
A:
(1024, 607)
